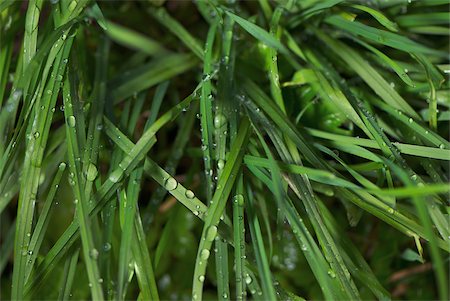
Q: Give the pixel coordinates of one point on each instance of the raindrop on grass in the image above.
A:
(62, 166)
(189, 194)
(94, 254)
(219, 120)
(71, 121)
(170, 184)
(204, 254)
(248, 279)
(331, 273)
(92, 172)
(106, 247)
(115, 176)
(220, 164)
(211, 233)
(201, 278)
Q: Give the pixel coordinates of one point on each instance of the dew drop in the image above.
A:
(106, 247)
(204, 254)
(189, 194)
(201, 278)
(62, 166)
(211, 233)
(71, 121)
(239, 199)
(219, 120)
(248, 279)
(115, 176)
(94, 254)
(170, 184)
(220, 164)
(331, 273)
(92, 172)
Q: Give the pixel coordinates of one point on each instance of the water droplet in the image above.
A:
(414, 177)
(410, 120)
(219, 120)
(62, 166)
(331, 273)
(189, 194)
(92, 172)
(442, 146)
(30, 252)
(239, 199)
(225, 295)
(220, 164)
(94, 254)
(106, 247)
(211, 233)
(204, 254)
(201, 278)
(71, 121)
(36, 135)
(115, 176)
(391, 210)
(170, 184)
(248, 279)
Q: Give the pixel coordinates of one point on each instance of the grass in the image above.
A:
(267, 150)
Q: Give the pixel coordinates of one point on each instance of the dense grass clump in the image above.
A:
(266, 149)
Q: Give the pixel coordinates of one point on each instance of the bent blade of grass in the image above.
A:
(387, 38)
(259, 33)
(407, 149)
(368, 74)
(166, 20)
(134, 40)
(379, 16)
(388, 61)
(149, 74)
